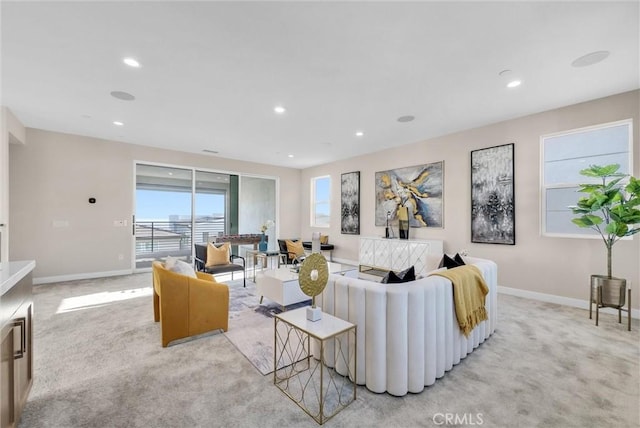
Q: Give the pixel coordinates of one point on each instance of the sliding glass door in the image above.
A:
(177, 207)
(163, 220)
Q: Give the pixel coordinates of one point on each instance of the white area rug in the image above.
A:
(251, 328)
(252, 334)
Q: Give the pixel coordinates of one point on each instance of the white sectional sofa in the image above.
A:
(407, 334)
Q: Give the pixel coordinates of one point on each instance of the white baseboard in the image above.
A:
(560, 300)
(77, 276)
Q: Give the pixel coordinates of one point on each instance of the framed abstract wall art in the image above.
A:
(493, 218)
(419, 188)
(350, 203)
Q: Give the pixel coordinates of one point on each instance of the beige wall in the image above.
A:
(553, 266)
(52, 177)
(11, 132)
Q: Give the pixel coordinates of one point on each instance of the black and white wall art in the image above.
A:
(493, 195)
(350, 203)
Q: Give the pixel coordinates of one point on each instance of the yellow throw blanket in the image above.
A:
(469, 290)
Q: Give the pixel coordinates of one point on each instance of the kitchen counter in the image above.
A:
(12, 272)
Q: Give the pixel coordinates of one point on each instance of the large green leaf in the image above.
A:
(578, 210)
(612, 183)
(580, 222)
(589, 188)
(633, 187)
(633, 202)
(613, 196)
(618, 229)
(589, 204)
(587, 220)
(601, 171)
(625, 214)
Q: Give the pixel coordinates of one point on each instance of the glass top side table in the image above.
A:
(263, 257)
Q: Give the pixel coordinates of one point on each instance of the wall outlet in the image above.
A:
(118, 223)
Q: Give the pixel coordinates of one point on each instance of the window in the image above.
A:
(563, 156)
(320, 201)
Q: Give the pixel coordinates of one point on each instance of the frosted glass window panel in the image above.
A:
(559, 222)
(588, 143)
(568, 170)
(561, 198)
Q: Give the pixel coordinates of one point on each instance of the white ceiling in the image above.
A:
(212, 72)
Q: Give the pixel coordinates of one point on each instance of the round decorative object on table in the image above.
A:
(313, 277)
(262, 245)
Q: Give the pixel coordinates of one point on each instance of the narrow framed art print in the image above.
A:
(350, 203)
(493, 218)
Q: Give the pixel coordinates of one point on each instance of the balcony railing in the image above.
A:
(158, 239)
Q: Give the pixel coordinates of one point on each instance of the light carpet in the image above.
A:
(99, 363)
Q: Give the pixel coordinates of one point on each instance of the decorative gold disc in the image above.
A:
(310, 286)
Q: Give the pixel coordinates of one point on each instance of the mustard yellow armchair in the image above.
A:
(187, 306)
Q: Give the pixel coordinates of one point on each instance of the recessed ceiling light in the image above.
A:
(118, 123)
(590, 59)
(131, 62)
(121, 95)
(407, 118)
(359, 134)
(510, 77)
(290, 156)
(279, 109)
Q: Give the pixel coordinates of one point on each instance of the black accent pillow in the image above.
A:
(450, 263)
(390, 278)
(406, 275)
(458, 258)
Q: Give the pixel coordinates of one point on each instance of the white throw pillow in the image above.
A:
(170, 263)
(178, 266)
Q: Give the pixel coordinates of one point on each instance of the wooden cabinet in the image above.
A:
(16, 341)
(398, 254)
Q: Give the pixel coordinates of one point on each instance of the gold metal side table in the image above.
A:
(315, 362)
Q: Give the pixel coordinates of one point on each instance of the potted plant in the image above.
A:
(611, 209)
